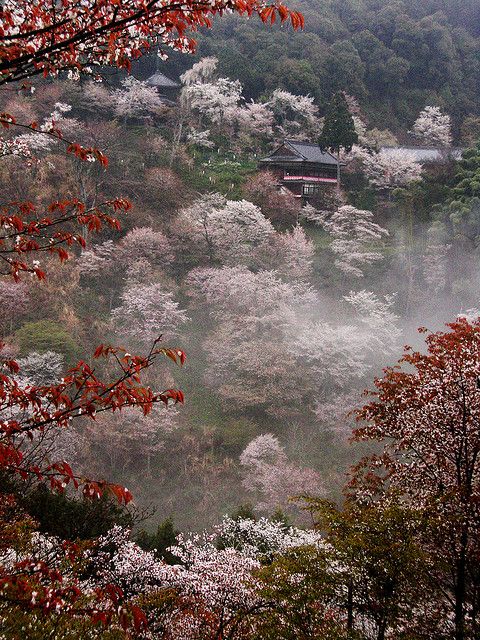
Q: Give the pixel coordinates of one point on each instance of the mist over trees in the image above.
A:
(187, 451)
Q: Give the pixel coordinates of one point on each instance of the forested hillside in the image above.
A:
(200, 274)
(393, 56)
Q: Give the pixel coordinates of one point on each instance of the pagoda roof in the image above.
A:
(299, 151)
(159, 79)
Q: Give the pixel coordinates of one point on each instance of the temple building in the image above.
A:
(167, 89)
(302, 167)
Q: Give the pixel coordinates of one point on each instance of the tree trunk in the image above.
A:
(382, 628)
(350, 605)
(460, 592)
(338, 170)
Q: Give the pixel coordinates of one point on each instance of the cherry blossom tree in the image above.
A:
(334, 355)
(96, 96)
(239, 291)
(215, 99)
(98, 260)
(270, 476)
(377, 321)
(334, 413)
(144, 243)
(41, 368)
(141, 244)
(200, 138)
(129, 440)
(208, 594)
(253, 313)
(220, 101)
(263, 538)
(136, 99)
(296, 116)
(15, 298)
(146, 312)
(254, 122)
(295, 252)
(433, 128)
(279, 205)
(225, 231)
(201, 72)
(425, 413)
(353, 232)
(217, 589)
(389, 168)
(270, 334)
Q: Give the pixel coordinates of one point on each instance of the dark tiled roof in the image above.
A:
(160, 80)
(305, 152)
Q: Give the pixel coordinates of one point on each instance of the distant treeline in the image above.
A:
(395, 57)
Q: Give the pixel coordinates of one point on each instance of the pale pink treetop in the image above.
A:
(433, 127)
(353, 232)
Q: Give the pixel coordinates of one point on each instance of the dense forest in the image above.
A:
(394, 57)
(187, 451)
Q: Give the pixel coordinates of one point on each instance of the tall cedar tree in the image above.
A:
(338, 129)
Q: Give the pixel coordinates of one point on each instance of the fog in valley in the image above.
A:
(266, 224)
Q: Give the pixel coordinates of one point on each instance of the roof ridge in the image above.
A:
(312, 144)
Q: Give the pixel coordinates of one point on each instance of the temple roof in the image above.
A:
(299, 151)
(160, 80)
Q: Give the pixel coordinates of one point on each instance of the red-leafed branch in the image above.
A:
(45, 38)
(26, 231)
(26, 411)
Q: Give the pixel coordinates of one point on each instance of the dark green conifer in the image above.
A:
(338, 131)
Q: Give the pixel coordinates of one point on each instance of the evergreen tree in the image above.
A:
(338, 130)
(160, 541)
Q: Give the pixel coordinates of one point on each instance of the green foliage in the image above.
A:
(395, 57)
(244, 512)
(46, 335)
(339, 129)
(467, 180)
(160, 541)
(235, 433)
(385, 567)
(73, 517)
(224, 173)
(302, 596)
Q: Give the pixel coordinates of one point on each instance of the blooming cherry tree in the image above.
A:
(136, 99)
(295, 254)
(129, 440)
(296, 115)
(225, 231)
(271, 477)
(201, 72)
(377, 321)
(15, 298)
(255, 123)
(353, 232)
(389, 168)
(214, 99)
(433, 128)
(250, 361)
(148, 311)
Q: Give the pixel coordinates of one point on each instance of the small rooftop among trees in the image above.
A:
(167, 89)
